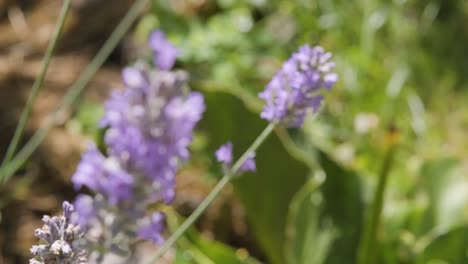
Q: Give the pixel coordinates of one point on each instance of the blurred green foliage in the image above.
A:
(266, 210)
(194, 248)
(306, 229)
(403, 64)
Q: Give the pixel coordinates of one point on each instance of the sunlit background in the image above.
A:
(403, 84)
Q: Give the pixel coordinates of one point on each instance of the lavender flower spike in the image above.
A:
(224, 155)
(59, 238)
(149, 127)
(295, 88)
(151, 123)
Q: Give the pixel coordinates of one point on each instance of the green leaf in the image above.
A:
(448, 195)
(267, 193)
(343, 204)
(308, 238)
(219, 252)
(194, 248)
(182, 257)
(448, 248)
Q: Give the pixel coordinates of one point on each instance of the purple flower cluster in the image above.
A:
(151, 228)
(149, 127)
(60, 240)
(165, 53)
(103, 175)
(295, 88)
(224, 155)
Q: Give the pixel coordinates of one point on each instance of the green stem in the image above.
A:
(37, 83)
(368, 248)
(212, 195)
(75, 90)
(12, 166)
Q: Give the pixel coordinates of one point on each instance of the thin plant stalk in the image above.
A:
(368, 247)
(75, 90)
(37, 83)
(212, 195)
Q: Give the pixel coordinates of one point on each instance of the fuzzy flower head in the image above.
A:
(295, 89)
(59, 238)
(148, 129)
(150, 124)
(224, 155)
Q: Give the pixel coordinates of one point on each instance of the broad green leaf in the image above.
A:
(448, 193)
(308, 238)
(267, 193)
(448, 248)
(194, 248)
(342, 203)
(219, 252)
(181, 257)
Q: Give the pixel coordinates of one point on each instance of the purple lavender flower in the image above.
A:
(249, 164)
(103, 175)
(224, 155)
(60, 239)
(149, 127)
(156, 120)
(165, 53)
(85, 207)
(152, 227)
(295, 88)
